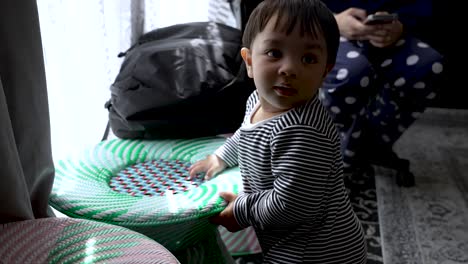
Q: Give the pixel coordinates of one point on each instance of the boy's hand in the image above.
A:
(211, 165)
(226, 217)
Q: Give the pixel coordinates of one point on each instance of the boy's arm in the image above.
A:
(307, 166)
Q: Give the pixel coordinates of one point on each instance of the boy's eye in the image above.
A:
(309, 59)
(274, 53)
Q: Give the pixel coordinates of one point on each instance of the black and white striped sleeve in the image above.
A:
(228, 151)
(303, 161)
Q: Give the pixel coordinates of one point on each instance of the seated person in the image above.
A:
(382, 80)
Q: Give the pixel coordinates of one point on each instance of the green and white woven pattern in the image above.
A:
(240, 243)
(66, 240)
(177, 221)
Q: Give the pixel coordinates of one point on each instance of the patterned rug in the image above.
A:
(362, 193)
(428, 223)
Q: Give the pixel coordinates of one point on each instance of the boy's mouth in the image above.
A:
(284, 90)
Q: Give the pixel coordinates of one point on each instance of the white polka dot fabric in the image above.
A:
(375, 95)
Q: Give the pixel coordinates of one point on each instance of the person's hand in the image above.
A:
(226, 217)
(211, 165)
(386, 34)
(350, 23)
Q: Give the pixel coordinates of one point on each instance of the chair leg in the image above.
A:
(362, 173)
(404, 177)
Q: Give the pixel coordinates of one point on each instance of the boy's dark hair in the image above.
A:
(313, 16)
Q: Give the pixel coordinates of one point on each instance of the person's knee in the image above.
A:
(427, 62)
(351, 70)
(427, 74)
(348, 86)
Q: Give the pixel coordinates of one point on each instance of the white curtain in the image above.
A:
(81, 40)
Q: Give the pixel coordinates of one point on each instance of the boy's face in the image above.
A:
(287, 69)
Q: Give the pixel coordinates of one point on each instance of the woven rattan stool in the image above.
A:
(68, 240)
(144, 186)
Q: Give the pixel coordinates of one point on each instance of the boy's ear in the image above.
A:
(247, 56)
(328, 68)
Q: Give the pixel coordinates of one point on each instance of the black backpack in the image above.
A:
(182, 81)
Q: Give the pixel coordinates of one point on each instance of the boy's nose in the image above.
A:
(288, 68)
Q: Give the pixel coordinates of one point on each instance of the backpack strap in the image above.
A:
(106, 132)
(107, 105)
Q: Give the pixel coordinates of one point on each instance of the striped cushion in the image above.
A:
(66, 240)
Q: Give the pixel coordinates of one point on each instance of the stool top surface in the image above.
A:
(97, 185)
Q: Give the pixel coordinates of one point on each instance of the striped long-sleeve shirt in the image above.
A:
(294, 195)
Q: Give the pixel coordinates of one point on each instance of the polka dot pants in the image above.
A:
(374, 95)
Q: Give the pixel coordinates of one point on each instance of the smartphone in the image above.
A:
(374, 19)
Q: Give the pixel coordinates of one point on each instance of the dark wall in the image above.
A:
(447, 32)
